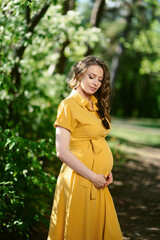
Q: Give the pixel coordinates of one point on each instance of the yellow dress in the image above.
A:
(80, 211)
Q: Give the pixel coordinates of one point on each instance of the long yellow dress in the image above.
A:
(80, 211)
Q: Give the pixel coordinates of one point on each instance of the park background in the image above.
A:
(39, 43)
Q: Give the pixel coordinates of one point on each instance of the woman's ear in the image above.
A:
(76, 85)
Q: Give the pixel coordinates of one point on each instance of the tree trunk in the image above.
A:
(97, 13)
(95, 19)
(60, 66)
(68, 5)
(119, 50)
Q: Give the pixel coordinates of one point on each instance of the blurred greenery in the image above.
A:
(39, 43)
(133, 136)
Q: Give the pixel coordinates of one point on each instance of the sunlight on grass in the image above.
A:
(133, 131)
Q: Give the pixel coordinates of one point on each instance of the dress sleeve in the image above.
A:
(65, 116)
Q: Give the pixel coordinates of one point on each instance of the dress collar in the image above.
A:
(83, 101)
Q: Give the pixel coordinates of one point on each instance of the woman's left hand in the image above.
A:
(109, 179)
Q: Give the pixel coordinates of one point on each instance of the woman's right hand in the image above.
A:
(99, 181)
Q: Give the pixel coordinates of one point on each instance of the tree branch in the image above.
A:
(35, 20)
(28, 12)
(19, 50)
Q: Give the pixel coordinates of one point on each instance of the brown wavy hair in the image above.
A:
(103, 94)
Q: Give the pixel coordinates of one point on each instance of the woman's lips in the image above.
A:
(93, 89)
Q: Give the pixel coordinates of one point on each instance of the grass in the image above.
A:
(132, 134)
(141, 131)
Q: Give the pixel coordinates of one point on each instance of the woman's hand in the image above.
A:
(99, 181)
(109, 178)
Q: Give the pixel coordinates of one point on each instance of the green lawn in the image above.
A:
(141, 131)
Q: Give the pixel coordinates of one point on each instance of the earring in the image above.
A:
(76, 85)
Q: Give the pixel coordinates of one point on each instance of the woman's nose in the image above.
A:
(95, 81)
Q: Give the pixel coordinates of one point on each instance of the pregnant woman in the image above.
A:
(83, 208)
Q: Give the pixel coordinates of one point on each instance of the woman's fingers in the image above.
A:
(110, 178)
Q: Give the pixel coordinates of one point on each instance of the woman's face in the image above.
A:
(91, 79)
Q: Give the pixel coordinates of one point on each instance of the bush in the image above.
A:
(26, 188)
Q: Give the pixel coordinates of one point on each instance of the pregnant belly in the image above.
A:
(103, 161)
(96, 155)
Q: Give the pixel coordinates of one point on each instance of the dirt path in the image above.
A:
(136, 192)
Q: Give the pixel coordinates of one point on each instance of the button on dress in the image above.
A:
(80, 211)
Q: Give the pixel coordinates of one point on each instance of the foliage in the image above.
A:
(32, 102)
(148, 43)
(139, 93)
(134, 27)
(25, 187)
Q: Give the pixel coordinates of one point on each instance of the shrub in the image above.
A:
(25, 187)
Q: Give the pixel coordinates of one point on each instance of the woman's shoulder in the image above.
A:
(67, 102)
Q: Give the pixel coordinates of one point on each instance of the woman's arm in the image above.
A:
(63, 152)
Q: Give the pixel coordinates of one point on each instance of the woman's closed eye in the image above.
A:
(93, 78)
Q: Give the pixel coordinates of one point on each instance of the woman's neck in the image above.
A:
(84, 94)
